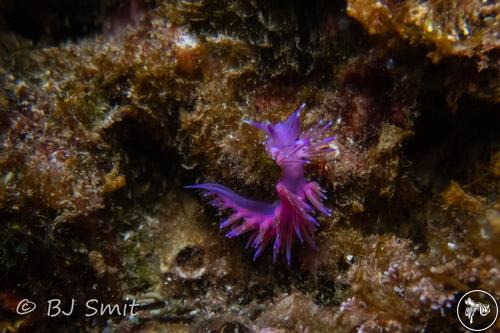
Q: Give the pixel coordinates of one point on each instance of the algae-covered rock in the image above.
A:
(455, 28)
(103, 126)
(464, 29)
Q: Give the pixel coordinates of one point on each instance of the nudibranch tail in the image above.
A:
(248, 215)
(292, 215)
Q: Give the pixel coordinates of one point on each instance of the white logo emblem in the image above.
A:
(472, 307)
(477, 310)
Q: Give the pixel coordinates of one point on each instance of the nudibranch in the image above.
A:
(291, 215)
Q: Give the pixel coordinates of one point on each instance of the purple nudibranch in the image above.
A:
(290, 216)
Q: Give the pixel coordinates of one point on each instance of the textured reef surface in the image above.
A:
(109, 108)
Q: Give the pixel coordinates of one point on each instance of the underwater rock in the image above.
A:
(466, 31)
(296, 313)
(100, 134)
(453, 28)
(189, 250)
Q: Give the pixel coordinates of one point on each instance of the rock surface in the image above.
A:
(102, 127)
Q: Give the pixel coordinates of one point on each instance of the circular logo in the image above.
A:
(477, 310)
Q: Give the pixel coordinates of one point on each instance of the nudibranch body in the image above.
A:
(291, 215)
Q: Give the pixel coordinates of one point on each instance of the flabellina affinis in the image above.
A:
(291, 216)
